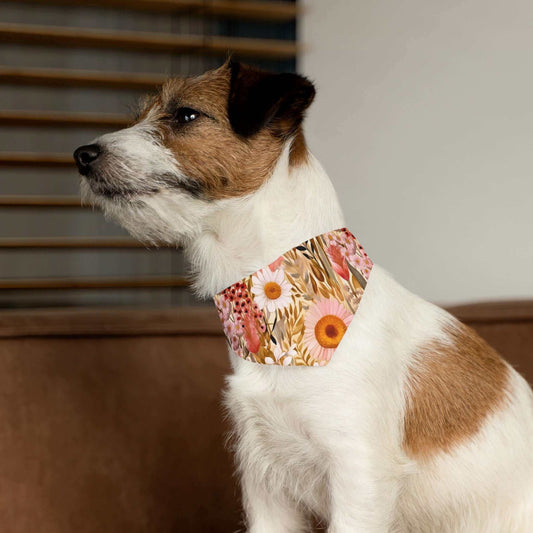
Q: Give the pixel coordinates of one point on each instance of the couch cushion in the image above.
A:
(111, 422)
(507, 326)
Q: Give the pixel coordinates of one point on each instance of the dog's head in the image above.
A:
(196, 143)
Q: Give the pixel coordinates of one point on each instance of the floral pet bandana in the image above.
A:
(295, 311)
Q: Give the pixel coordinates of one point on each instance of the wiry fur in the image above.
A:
(330, 441)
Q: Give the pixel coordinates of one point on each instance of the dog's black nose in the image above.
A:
(84, 156)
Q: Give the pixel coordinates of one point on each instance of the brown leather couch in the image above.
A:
(110, 420)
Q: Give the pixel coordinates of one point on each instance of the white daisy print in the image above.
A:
(285, 357)
(271, 290)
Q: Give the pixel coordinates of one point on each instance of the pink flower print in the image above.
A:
(357, 261)
(225, 309)
(366, 270)
(221, 308)
(241, 317)
(348, 234)
(350, 248)
(362, 264)
(251, 335)
(338, 261)
(325, 324)
(235, 343)
(231, 329)
(219, 311)
(233, 333)
(360, 249)
(276, 264)
(342, 237)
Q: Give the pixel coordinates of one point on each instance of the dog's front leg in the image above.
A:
(268, 512)
(362, 494)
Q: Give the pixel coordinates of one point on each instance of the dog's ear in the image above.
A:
(258, 99)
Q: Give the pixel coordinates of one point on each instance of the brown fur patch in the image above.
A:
(452, 388)
(298, 154)
(219, 163)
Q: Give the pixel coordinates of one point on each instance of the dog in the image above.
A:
(414, 424)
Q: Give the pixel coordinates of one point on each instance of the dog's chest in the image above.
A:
(276, 440)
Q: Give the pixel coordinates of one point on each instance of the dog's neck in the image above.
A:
(246, 234)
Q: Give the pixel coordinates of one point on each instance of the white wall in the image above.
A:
(424, 122)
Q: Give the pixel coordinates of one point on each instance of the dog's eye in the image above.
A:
(184, 115)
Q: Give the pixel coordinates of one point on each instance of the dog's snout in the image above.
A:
(85, 156)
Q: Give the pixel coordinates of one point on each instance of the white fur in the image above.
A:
(329, 440)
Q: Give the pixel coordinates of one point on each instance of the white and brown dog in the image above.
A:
(415, 425)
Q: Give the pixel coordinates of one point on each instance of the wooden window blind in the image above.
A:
(70, 71)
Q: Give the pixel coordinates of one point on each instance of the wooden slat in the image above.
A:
(28, 159)
(146, 41)
(41, 201)
(110, 321)
(150, 282)
(70, 243)
(265, 11)
(79, 78)
(246, 47)
(63, 120)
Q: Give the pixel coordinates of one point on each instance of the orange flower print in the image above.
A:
(325, 325)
